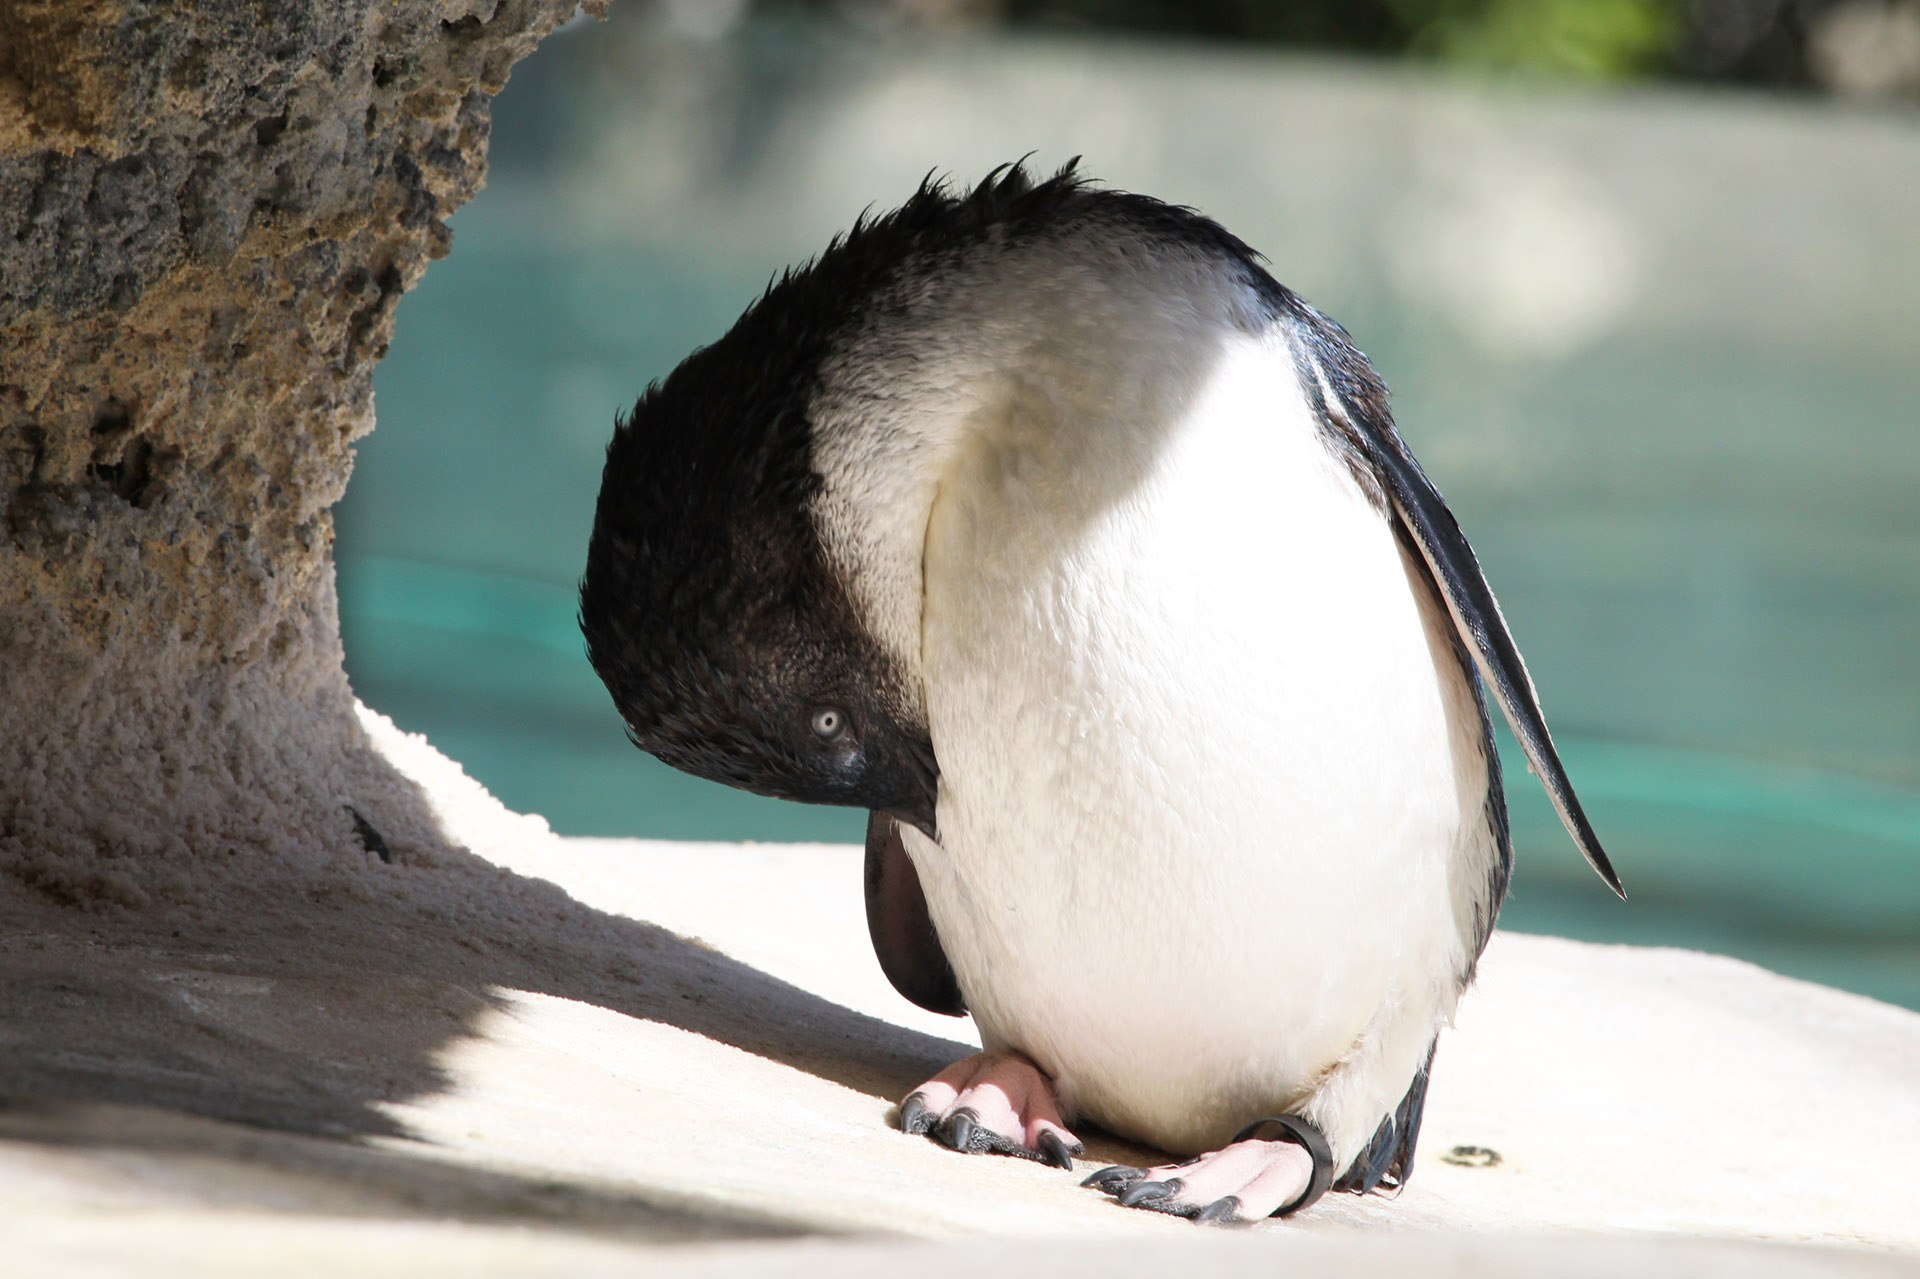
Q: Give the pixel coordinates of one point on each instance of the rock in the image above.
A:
(207, 214)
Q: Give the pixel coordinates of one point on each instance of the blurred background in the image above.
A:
(1644, 277)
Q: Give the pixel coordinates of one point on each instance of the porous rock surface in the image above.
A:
(207, 213)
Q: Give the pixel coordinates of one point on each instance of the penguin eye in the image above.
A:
(829, 722)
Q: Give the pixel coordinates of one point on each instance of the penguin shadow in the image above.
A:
(267, 1020)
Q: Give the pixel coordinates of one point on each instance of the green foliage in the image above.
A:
(1781, 43)
(1589, 39)
(1582, 39)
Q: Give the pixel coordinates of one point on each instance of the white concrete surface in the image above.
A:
(455, 1067)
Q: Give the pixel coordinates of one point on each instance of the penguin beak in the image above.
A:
(917, 810)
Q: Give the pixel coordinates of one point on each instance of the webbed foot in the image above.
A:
(992, 1102)
(1273, 1168)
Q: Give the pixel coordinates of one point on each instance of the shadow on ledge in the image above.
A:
(227, 1167)
(300, 997)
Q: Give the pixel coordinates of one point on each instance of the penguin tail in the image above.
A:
(1387, 1161)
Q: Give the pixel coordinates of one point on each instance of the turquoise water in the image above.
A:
(1659, 350)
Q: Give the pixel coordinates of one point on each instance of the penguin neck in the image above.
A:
(1082, 357)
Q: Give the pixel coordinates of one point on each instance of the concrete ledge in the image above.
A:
(486, 1062)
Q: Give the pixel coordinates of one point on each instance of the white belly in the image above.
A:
(1213, 799)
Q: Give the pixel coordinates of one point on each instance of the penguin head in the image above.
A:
(753, 590)
(731, 647)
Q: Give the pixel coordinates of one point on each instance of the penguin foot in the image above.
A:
(1244, 1182)
(992, 1103)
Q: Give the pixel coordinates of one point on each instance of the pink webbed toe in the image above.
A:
(992, 1103)
(1245, 1181)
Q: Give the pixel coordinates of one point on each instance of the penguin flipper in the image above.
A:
(903, 935)
(1351, 403)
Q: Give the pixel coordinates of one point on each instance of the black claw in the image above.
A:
(1114, 1179)
(1148, 1193)
(1224, 1211)
(915, 1118)
(1055, 1151)
(957, 1132)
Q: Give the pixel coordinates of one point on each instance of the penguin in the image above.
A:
(1040, 521)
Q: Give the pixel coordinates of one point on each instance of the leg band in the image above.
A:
(1301, 1132)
